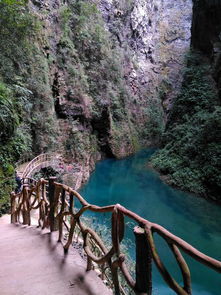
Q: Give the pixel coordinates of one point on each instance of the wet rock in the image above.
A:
(206, 33)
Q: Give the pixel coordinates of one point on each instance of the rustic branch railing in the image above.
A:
(37, 161)
(55, 203)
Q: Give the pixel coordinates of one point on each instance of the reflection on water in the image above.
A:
(133, 185)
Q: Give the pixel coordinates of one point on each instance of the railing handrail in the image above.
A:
(38, 160)
(57, 199)
(189, 249)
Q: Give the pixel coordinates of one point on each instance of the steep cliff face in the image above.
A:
(111, 69)
(156, 36)
(191, 153)
(98, 77)
(206, 33)
(206, 25)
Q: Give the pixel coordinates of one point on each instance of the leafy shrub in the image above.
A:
(16, 24)
(9, 119)
(46, 173)
(155, 125)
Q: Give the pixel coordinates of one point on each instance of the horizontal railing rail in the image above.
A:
(55, 203)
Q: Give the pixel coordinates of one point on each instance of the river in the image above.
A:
(132, 184)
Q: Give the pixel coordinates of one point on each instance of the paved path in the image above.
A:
(20, 169)
(33, 263)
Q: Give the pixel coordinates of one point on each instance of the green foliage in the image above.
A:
(10, 151)
(9, 119)
(94, 63)
(46, 173)
(14, 21)
(14, 103)
(93, 45)
(155, 125)
(124, 5)
(80, 144)
(16, 25)
(90, 34)
(6, 187)
(43, 127)
(94, 69)
(192, 141)
(42, 121)
(164, 88)
(65, 15)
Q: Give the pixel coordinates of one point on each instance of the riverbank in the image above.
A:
(168, 181)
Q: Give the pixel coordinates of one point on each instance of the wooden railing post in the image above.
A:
(60, 221)
(13, 208)
(143, 284)
(26, 204)
(52, 220)
(44, 208)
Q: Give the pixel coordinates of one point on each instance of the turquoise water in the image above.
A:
(132, 184)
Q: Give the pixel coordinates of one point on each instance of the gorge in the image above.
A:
(90, 79)
(96, 79)
(135, 83)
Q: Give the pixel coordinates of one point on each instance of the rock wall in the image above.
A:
(189, 157)
(111, 69)
(157, 36)
(206, 33)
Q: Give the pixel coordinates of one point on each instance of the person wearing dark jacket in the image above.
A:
(18, 182)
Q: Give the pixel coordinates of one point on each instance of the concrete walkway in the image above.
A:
(33, 263)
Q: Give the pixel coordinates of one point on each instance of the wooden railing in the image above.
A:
(38, 161)
(55, 203)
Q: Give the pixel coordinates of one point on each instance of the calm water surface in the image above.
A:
(133, 185)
